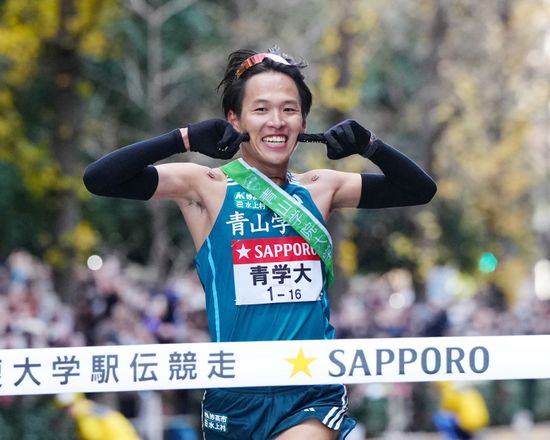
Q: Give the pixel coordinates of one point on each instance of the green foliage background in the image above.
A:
(459, 86)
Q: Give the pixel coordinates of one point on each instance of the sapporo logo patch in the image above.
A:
(275, 270)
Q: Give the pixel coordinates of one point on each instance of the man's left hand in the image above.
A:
(348, 137)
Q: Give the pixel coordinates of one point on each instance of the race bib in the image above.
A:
(276, 270)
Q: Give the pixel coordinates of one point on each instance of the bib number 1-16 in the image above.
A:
(293, 294)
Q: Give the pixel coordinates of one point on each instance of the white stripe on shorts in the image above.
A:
(336, 414)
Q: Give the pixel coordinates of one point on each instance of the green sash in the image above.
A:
(280, 202)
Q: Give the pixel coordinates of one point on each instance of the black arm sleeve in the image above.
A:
(403, 183)
(128, 172)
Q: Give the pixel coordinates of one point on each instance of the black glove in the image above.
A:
(215, 138)
(347, 138)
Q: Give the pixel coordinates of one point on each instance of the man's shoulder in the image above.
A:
(315, 175)
(194, 170)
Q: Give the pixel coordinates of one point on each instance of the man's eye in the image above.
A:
(260, 109)
(291, 109)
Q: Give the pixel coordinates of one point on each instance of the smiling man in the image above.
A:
(264, 256)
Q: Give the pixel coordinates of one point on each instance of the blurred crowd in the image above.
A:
(387, 306)
(116, 304)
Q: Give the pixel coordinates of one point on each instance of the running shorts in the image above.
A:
(265, 412)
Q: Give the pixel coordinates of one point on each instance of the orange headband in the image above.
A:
(256, 59)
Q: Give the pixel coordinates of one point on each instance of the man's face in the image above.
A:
(271, 115)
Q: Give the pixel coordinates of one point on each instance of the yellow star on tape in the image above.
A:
(300, 363)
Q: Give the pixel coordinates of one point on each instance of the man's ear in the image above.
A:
(233, 119)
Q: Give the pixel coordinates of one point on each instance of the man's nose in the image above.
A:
(276, 119)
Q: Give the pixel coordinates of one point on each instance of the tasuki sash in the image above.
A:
(282, 203)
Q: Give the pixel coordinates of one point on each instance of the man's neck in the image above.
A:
(279, 181)
(278, 174)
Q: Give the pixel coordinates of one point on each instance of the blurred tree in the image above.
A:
(159, 77)
(493, 98)
(342, 67)
(423, 75)
(154, 82)
(465, 98)
(42, 45)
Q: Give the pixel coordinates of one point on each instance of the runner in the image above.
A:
(264, 255)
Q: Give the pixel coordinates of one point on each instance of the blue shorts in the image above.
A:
(265, 412)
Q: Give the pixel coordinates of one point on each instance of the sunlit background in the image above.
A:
(461, 86)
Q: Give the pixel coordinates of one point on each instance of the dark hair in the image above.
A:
(233, 87)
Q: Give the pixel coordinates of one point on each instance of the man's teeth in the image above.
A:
(274, 139)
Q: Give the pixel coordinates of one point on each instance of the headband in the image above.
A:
(256, 59)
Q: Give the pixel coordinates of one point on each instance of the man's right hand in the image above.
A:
(215, 138)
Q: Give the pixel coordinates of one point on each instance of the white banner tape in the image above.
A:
(266, 363)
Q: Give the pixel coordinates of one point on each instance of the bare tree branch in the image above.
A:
(134, 83)
(175, 73)
(172, 7)
(139, 7)
(171, 101)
